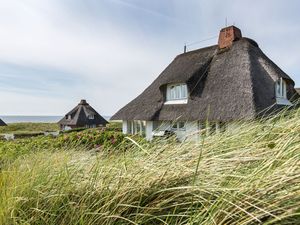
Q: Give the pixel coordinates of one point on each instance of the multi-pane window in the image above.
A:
(91, 126)
(177, 92)
(178, 126)
(281, 92)
(136, 127)
(91, 117)
(281, 89)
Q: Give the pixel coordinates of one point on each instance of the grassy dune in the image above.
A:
(250, 175)
(28, 128)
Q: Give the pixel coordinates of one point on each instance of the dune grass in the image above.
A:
(246, 175)
(17, 128)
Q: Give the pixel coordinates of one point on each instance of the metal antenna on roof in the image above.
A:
(226, 22)
(203, 40)
(197, 42)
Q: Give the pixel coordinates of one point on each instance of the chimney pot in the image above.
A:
(228, 35)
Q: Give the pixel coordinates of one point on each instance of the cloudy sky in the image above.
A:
(55, 52)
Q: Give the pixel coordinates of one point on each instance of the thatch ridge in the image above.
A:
(231, 84)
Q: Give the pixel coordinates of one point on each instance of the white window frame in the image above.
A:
(281, 92)
(136, 127)
(176, 126)
(69, 117)
(176, 94)
(91, 117)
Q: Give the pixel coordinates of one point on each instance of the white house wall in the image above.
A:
(125, 127)
(192, 131)
(149, 130)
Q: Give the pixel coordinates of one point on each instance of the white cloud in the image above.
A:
(105, 57)
(117, 53)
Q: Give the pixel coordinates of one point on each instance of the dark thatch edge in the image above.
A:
(228, 85)
(2, 123)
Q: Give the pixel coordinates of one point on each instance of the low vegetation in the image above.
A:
(17, 128)
(100, 139)
(250, 175)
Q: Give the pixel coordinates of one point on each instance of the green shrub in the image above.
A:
(93, 138)
(97, 139)
(117, 126)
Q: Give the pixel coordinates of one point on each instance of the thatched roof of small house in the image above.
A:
(2, 123)
(79, 116)
(224, 85)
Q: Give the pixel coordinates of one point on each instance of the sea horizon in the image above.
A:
(33, 118)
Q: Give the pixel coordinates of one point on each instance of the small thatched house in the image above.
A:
(83, 115)
(223, 83)
(2, 123)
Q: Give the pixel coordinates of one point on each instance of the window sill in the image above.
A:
(283, 101)
(176, 102)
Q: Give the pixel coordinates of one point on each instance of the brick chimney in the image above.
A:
(228, 35)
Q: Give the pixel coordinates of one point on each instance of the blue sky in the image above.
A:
(55, 52)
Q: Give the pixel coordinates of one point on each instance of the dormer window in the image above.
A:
(91, 117)
(68, 117)
(281, 92)
(176, 94)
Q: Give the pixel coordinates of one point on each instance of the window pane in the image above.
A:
(181, 125)
(177, 96)
(184, 91)
(169, 94)
(281, 89)
(278, 89)
(175, 92)
(174, 126)
(284, 94)
(137, 125)
(180, 91)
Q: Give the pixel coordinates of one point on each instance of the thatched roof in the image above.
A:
(224, 85)
(79, 116)
(2, 123)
